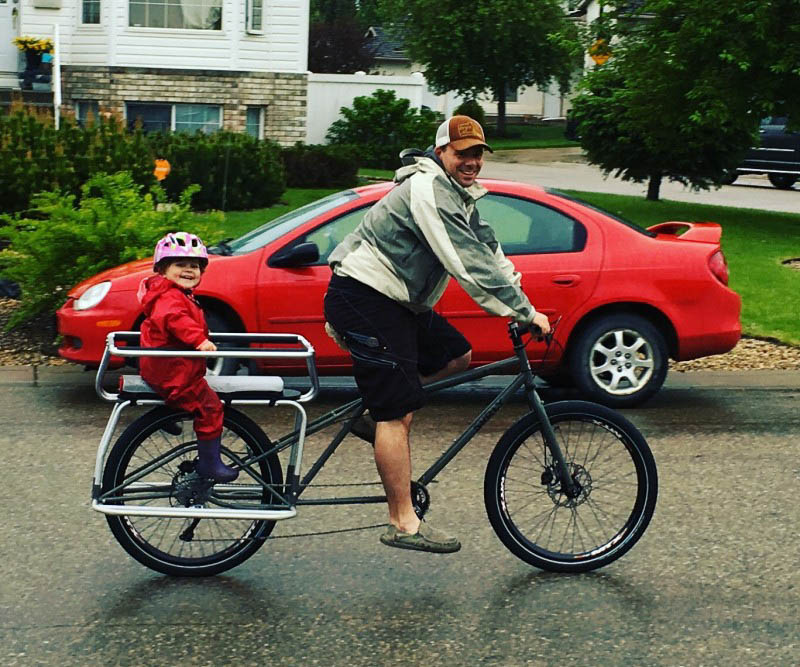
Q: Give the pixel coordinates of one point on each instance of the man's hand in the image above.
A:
(207, 346)
(541, 321)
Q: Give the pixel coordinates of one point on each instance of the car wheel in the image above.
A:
(220, 366)
(729, 177)
(782, 181)
(619, 360)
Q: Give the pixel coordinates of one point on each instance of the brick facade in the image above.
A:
(283, 95)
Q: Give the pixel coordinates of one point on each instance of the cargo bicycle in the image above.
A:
(570, 486)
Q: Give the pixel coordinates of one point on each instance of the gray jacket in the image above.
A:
(426, 229)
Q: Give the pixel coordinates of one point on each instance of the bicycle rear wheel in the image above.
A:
(152, 464)
(610, 460)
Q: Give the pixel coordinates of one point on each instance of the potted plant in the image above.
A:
(33, 48)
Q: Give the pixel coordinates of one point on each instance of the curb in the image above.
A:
(741, 379)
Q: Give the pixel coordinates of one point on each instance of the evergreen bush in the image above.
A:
(472, 109)
(64, 241)
(317, 166)
(381, 126)
(234, 171)
(36, 157)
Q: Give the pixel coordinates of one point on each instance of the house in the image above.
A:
(238, 65)
(523, 102)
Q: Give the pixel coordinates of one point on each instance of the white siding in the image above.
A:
(327, 93)
(283, 47)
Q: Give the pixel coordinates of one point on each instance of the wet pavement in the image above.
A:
(713, 582)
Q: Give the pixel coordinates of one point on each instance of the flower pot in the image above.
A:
(33, 60)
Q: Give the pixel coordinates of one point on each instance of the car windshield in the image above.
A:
(276, 228)
(608, 214)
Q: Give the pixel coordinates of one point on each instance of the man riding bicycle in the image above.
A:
(387, 276)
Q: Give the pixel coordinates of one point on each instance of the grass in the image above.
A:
(529, 136)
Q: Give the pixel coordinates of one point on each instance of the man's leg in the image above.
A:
(393, 459)
(453, 366)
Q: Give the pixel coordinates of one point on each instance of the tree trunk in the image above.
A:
(500, 95)
(654, 186)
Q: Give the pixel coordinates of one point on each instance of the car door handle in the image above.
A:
(566, 280)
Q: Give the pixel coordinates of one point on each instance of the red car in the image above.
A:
(628, 298)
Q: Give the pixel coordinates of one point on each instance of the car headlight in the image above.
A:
(92, 296)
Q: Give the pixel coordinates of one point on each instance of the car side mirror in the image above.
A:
(296, 255)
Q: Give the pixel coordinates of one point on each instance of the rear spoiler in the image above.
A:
(707, 232)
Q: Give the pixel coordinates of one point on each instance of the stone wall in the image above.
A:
(283, 95)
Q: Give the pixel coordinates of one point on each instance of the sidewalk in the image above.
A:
(75, 375)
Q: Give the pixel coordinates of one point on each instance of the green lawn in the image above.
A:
(755, 243)
(529, 136)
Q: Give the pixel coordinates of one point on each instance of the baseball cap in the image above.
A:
(462, 132)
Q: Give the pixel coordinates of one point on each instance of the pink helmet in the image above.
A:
(181, 244)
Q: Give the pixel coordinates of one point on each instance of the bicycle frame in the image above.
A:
(289, 495)
(355, 408)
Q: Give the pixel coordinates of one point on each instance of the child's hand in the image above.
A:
(207, 346)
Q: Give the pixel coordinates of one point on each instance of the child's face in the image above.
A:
(185, 273)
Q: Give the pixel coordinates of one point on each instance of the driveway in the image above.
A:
(566, 169)
(713, 582)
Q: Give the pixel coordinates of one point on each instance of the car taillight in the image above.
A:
(719, 266)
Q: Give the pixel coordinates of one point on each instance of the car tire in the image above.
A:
(619, 360)
(218, 324)
(782, 181)
(729, 177)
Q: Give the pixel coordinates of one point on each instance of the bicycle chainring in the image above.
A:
(420, 499)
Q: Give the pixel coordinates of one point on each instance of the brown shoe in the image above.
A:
(364, 427)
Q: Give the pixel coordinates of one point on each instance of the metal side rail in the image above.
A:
(233, 390)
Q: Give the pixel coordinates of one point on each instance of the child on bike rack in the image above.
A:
(174, 319)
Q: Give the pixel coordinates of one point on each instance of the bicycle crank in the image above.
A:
(420, 499)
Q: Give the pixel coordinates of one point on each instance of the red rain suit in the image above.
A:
(174, 319)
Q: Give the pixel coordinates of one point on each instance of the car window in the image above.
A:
(773, 123)
(331, 234)
(524, 227)
(276, 228)
(608, 214)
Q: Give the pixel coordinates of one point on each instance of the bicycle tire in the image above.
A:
(215, 545)
(537, 522)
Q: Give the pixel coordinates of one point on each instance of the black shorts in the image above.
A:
(390, 346)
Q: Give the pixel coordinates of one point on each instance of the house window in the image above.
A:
(181, 14)
(85, 111)
(91, 12)
(255, 122)
(255, 17)
(178, 117)
(511, 94)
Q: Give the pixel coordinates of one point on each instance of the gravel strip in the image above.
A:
(32, 344)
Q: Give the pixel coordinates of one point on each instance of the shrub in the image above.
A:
(34, 156)
(318, 166)
(472, 109)
(64, 242)
(234, 171)
(381, 126)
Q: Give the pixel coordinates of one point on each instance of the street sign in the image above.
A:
(600, 51)
(162, 169)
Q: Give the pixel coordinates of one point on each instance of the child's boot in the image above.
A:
(209, 464)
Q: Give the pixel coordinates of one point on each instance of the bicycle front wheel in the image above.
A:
(609, 460)
(152, 464)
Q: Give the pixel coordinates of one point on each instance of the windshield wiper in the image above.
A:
(222, 248)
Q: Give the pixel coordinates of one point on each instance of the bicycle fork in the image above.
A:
(570, 487)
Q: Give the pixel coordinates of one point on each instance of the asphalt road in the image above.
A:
(564, 169)
(713, 582)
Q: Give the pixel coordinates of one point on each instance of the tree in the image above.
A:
(683, 92)
(493, 45)
(341, 46)
(338, 40)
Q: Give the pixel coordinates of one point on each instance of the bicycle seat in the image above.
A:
(228, 387)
